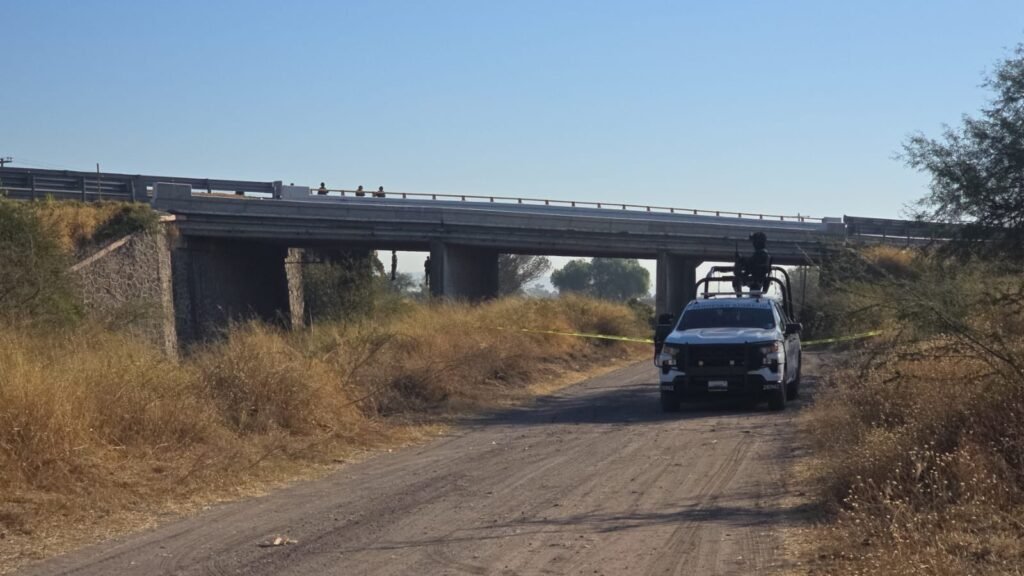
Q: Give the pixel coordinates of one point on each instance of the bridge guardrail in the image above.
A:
(36, 183)
(913, 231)
(576, 204)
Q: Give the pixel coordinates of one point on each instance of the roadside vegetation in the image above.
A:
(919, 434)
(79, 227)
(39, 240)
(617, 279)
(97, 426)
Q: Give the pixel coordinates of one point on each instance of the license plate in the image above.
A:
(718, 386)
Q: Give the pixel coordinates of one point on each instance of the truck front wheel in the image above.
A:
(777, 398)
(793, 388)
(669, 401)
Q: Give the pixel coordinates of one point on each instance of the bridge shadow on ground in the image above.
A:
(729, 517)
(629, 403)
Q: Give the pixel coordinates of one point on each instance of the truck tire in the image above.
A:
(777, 399)
(669, 402)
(793, 388)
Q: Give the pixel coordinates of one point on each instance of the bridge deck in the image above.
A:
(411, 220)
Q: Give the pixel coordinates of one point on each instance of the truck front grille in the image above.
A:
(718, 356)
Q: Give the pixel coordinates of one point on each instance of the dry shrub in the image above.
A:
(84, 417)
(920, 438)
(450, 355)
(93, 422)
(892, 261)
(78, 225)
(260, 383)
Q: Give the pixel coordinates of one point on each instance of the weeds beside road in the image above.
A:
(94, 426)
(920, 435)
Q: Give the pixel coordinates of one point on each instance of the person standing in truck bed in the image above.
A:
(752, 271)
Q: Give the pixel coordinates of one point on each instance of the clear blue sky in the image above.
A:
(773, 106)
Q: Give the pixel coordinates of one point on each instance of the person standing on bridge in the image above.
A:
(379, 193)
(322, 190)
(359, 191)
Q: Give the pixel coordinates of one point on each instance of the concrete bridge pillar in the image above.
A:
(674, 284)
(463, 272)
(217, 281)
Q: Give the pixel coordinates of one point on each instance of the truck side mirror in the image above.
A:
(794, 328)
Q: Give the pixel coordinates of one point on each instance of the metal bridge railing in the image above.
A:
(572, 204)
(34, 183)
(887, 229)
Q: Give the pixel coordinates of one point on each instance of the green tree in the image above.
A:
(341, 285)
(977, 169)
(34, 281)
(515, 271)
(619, 279)
(616, 279)
(404, 283)
(575, 276)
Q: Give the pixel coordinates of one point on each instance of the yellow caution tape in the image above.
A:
(584, 335)
(650, 341)
(871, 334)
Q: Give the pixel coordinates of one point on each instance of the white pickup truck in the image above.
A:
(743, 346)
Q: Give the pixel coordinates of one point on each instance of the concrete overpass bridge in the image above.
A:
(240, 242)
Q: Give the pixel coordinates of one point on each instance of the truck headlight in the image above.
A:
(771, 355)
(669, 356)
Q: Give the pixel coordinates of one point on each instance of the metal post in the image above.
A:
(32, 184)
(803, 289)
(84, 197)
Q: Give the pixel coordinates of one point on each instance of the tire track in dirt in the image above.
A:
(685, 542)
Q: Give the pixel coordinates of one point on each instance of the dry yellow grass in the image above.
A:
(920, 439)
(77, 225)
(93, 424)
(896, 262)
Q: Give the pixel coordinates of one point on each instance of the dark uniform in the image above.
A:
(752, 272)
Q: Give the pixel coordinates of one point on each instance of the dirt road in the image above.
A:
(593, 480)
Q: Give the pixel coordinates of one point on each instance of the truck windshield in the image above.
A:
(727, 318)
